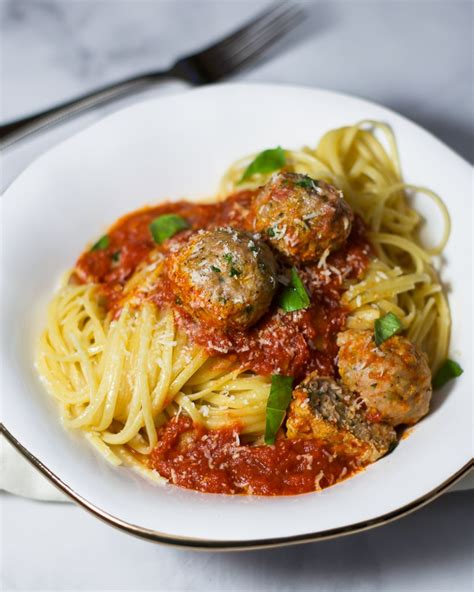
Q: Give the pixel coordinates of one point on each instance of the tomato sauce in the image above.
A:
(293, 344)
(299, 342)
(216, 462)
(130, 240)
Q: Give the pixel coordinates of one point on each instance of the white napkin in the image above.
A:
(17, 476)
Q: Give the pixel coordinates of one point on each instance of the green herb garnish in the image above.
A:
(386, 327)
(266, 162)
(216, 269)
(448, 370)
(166, 226)
(278, 401)
(234, 272)
(101, 244)
(116, 256)
(229, 257)
(307, 183)
(294, 296)
(270, 232)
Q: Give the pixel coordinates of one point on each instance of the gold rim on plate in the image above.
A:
(206, 545)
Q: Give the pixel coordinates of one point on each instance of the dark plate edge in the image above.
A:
(202, 544)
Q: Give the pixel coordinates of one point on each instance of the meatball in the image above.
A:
(394, 378)
(224, 277)
(323, 408)
(302, 218)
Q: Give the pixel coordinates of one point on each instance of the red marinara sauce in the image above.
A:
(215, 462)
(130, 241)
(280, 343)
(294, 344)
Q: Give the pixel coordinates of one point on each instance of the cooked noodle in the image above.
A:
(402, 278)
(119, 379)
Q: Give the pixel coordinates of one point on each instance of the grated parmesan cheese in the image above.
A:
(322, 260)
(317, 480)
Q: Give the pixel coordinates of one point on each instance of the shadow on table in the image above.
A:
(435, 536)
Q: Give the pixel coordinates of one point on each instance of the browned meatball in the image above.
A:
(302, 218)
(324, 409)
(394, 378)
(224, 277)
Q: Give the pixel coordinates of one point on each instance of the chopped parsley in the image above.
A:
(116, 256)
(216, 269)
(266, 162)
(386, 327)
(448, 370)
(294, 296)
(306, 182)
(270, 232)
(277, 404)
(166, 226)
(101, 244)
(233, 271)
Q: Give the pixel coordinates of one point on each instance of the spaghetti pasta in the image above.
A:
(120, 373)
(119, 380)
(402, 278)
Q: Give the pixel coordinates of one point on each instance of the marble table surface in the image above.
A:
(412, 56)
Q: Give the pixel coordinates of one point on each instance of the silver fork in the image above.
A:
(209, 65)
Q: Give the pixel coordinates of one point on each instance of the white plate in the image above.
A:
(179, 147)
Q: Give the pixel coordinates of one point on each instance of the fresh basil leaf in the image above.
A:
(274, 419)
(294, 296)
(386, 327)
(266, 162)
(278, 401)
(448, 370)
(166, 226)
(101, 244)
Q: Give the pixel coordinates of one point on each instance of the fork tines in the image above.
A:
(250, 40)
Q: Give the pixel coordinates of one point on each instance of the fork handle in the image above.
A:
(12, 132)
